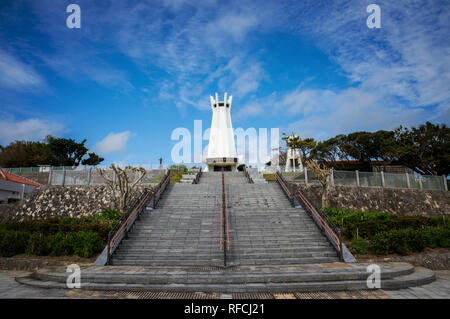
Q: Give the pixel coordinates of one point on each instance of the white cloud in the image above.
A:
(30, 130)
(16, 75)
(409, 57)
(113, 143)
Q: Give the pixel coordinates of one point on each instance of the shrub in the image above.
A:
(83, 236)
(359, 246)
(370, 228)
(110, 214)
(345, 217)
(61, 244)
(13, 243)
(87, 244)
(38, 245)
(398, 241)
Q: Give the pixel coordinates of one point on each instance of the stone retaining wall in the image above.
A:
(61, 201)
(400, 202)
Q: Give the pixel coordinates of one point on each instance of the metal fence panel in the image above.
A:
(345, 178)
(433, 183)
(395, 180)
(370, 179)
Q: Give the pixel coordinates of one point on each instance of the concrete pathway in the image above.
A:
(9, 288)
(439, 289)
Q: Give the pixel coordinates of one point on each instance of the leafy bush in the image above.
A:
(83, 236)
(359, 246)
(38, 245)
(110, 214)
(342, 217)
(370, 228)
(87, 244)
(391, 234)
(398, 241)
(13, 243)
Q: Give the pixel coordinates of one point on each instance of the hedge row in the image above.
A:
(386, 234)
(84, 237)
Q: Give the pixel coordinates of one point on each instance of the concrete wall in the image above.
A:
(13, 190)
(59, 201)
(401, 202)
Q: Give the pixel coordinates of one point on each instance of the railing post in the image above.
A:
(358, 183)
(89, 176)
(306, 175)
(445, 182)
(420, 182)
(108, 254)
(332, 177)
(383, 184)
(64, 177)
(50, 176)
(408, 183)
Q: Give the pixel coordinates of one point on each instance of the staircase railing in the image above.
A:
(323, 222)
(224, 242)
(249, 179)
(197, 176)
(126, 222)
(285, 187)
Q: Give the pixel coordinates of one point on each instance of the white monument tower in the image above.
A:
(293, 157)
(221, 149)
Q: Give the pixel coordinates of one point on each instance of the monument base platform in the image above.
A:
(228, 164)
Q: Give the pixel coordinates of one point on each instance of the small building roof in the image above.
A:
(4, 175)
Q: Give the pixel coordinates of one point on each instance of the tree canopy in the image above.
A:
(424, 149)
(52, 151)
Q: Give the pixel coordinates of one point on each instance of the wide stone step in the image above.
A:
(146, 251)
(335, 276)
(219, 262)
(231, 255)
(254, 245)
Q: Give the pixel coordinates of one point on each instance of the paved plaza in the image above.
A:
(10, 288)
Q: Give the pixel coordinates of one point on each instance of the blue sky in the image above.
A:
(136, 70)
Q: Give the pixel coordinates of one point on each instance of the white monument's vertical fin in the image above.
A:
(212, 101)
(225, 99)
(217, 99)
(229, 100)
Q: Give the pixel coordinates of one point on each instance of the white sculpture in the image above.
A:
(221, 149)
(293, 157)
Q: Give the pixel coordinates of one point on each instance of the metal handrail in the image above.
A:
(285, 186)
(321, 219)
(197, 176)
(249, 179)
(120, 231)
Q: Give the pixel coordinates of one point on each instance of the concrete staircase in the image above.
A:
(181, 231)
(274, 248)
(184, 229)
(256, 176)
(266, 230)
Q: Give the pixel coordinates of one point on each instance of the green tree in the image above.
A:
(425, 149)
(53, 151)
(24, 154)
(304, 145)
(329, 150)
(66, 152)
(92, 160)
